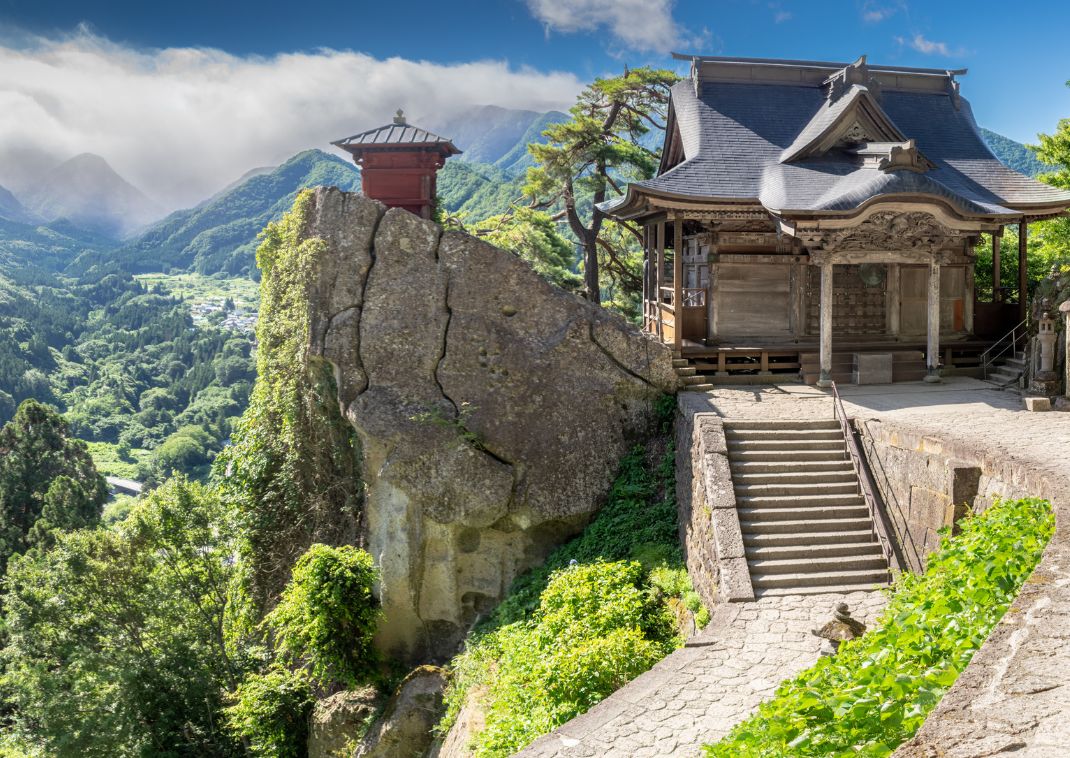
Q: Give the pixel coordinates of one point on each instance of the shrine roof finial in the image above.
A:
(399, 117)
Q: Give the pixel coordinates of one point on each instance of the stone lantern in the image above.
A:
(1045, 381)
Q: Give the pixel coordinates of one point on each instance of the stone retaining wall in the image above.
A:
(1013, 696)
(709, 525)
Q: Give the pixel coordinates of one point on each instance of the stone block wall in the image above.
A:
(924, 488)
(709, 525)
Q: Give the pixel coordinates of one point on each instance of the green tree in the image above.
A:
(115, 637)
(44, 475)
(532, 235)
(327, 615)
(1053, 236)
(593, 154)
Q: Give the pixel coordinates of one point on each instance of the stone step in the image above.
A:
(697, 387)
(753, 445)
(686, 371)
(1017, 364)
(818, 565)
(748, 467)
(1004, 377)
(819, 549)
(782, 455)
(800, 501)
(756, 517)
(760, 424)
(802, 525)
(817, 579)
(680, 362)
(764, 540)
(734, 434)
(796, 490)
(835, 476)
(831, 589)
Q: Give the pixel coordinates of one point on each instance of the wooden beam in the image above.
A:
(678, 280)
(932, 353)
(997, 269)
(825, 378)
(659, 272)
(1023, 240)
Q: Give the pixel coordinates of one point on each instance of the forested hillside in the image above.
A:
(219, 236)
(1015, 154)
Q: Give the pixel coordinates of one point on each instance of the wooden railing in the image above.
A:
(882, 526)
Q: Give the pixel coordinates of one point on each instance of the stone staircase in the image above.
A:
(806, 527)
(1006, 372)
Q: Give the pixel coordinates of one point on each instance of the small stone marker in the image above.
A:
(1036, 404)
(840, 629)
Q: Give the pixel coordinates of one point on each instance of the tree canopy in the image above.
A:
(594, 154)
(47, 480)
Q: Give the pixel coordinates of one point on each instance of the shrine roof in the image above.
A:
(792, 136)
(400, 133)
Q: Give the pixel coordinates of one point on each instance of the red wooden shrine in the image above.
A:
(398, 164)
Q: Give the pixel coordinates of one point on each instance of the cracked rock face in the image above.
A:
(491, 406)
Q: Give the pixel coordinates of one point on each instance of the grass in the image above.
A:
(878, 690)
(200, 288)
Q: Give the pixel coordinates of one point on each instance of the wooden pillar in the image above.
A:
(1023, 235)
(932, 355)
(659, 272)
(678, 281)
(891, 297)
(825, 378)
(968, 299)
(997, 268)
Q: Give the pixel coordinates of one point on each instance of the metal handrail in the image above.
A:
(988, 357)
(882, 528)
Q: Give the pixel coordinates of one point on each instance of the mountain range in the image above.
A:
(76, 207)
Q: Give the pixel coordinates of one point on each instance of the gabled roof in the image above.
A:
(806, 138)
(400, 133)
(855, 116)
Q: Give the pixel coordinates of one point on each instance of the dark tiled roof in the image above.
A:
(396, 134)
(739, 139)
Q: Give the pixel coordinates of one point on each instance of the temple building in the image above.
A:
(399, 164)
(807, 213)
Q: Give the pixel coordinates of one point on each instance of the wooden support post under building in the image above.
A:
(892, 300)
(932, 354)
(825, 378)
(647, 266)
(997, 268)
(1023, 239)
(659, 273)
(678, 282)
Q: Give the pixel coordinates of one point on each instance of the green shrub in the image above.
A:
(327, 615)
(271, 713)
(596, 628)
(877, 691)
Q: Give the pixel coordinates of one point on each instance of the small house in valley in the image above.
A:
(808, 213)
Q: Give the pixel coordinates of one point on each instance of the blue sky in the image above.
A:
(179, 66)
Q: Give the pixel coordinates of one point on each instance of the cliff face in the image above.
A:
(492, 408)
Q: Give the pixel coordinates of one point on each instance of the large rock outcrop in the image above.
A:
(491, 406)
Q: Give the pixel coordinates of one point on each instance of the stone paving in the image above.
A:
(697, 694)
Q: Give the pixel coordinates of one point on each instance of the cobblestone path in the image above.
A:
(697, 694)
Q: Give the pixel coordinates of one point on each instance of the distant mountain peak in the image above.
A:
(88, 192)
(12, 210)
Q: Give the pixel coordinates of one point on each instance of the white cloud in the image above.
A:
(182, 122)
(929, 47)
(781, 16)
(874, 13)
(643, 25)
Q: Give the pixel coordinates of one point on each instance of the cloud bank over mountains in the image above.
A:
(182, 122)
